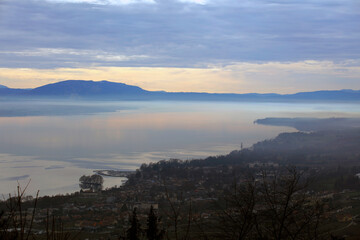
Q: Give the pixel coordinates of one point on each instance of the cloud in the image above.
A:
(69, 54)
(104, 2)
(239, 77)
(43, 52)
(175, 33)
(201, 2)
(120, 58)
(184, 37)
(17, 178)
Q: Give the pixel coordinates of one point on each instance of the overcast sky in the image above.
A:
(240, 46)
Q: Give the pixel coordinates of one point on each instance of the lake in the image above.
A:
(53, 143)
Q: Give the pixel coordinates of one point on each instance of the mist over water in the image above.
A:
(53, 143)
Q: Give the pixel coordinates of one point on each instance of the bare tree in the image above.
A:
(16, 223)
(277, 206)
(177, 213)
(288, 211)
(237, 217)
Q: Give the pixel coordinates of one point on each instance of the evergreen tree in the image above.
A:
(133, 233)
(152, 231)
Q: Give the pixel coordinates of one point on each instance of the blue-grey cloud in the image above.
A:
(16, 178)
(78, 33)
(30, 166)
(54, 167)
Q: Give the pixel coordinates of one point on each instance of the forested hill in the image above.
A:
(316, 148)
(321, 147)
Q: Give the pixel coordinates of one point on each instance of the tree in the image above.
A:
(94, 182)
(133, 233)
(238, 218)
(17, 224)
(176, 214)
(152, 231)
(289, 213)
(275, 207)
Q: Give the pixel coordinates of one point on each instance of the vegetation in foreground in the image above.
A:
(248, 194)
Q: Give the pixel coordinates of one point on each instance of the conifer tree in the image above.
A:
(152, 231)
(133, 233)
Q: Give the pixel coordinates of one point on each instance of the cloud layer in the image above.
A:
(39, 33)
(52, 34)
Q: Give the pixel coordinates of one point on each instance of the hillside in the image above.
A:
(330, 147)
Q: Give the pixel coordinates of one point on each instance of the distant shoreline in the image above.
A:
(312, 124)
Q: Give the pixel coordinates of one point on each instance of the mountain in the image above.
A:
(5, 91)
(321, 96)
(344, 94)
(120, 91)
(86, 88)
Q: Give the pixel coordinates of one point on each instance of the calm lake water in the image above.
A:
(53, 144)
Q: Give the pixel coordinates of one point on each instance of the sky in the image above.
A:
(238, 46)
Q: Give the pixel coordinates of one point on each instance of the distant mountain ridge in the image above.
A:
(111, 90)
(344, 94)
(2, 86)
(85, 88)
